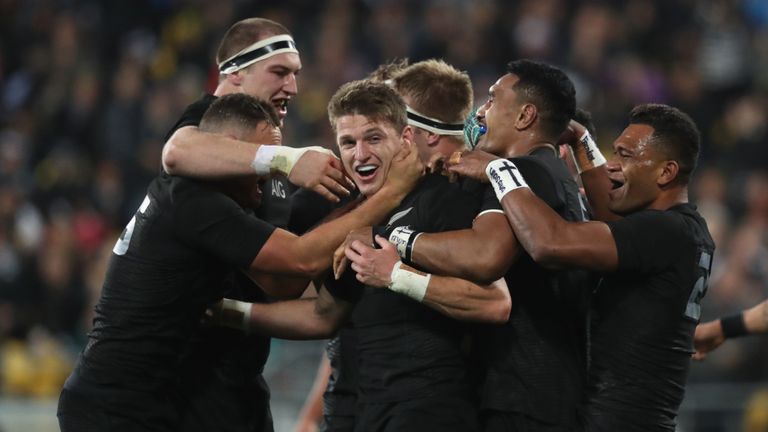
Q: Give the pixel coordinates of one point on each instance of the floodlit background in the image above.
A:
(88, 89)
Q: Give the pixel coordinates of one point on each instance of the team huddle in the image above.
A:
(464, 279)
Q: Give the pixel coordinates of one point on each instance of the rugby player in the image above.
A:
(656, 262)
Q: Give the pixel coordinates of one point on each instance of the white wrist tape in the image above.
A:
(587, 155)
(242, 307)
(280, 159)
(409, 284)
(403, 239)
(504, 177)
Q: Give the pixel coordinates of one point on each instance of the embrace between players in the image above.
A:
(488, 303)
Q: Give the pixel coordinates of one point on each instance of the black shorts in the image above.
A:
(437, 413)
(502, 421)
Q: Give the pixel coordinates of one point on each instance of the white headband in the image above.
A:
(435, 126)
(258, 51)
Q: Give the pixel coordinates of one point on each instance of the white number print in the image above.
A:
(121, 247)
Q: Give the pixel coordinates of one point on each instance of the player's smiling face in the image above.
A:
(273, 80)
(367, 148)
(633, 170)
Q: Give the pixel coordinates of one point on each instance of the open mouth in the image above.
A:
(281, 105)
(366, 171)
(615, 184)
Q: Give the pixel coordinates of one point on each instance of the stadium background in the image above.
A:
(88, 88)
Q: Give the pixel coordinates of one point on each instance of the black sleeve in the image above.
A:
(648, 241)
(540, 180)
(347, 288)
(489, 202)
(484, 192)
(447, 207)
(193, 114)
(212, 221)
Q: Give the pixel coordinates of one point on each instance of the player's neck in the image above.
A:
(526, 142)
(671, 197)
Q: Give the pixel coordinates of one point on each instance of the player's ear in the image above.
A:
(668, 174)
(526, 117)
(407, 136)
(432, 138)
(234, 78)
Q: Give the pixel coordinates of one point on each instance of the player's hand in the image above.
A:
(405, 171)
(471, 164)
(323, 173)
(572, 133)
(373, 266)
(340, 261)
(708, 337)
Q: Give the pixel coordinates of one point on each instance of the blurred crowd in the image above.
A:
(89, 88)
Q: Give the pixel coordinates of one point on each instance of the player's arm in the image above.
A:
(482, 253)
(312, 411)
(280, 287)
(549, 239)
(454, 297)
(191, 152)
(590, 163)
(310, 254)
(710, 335)
(300, 319)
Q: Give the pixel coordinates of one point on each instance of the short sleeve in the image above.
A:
(540, 180)
(213, 222)
(648, 241)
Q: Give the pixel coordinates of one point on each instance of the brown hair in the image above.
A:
(246, 32)
(436, 89)
(374, 100)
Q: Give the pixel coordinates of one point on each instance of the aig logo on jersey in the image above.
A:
(278, 188)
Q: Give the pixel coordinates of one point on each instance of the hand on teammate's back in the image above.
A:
(322, 173)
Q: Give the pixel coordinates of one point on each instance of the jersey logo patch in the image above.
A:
(399, 215)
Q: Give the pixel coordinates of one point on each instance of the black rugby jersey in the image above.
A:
(166, 267)
(645, 316)
(535, 364)
(405, 349)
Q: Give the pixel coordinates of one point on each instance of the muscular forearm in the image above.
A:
(316, 247)
(756, 319)
(554, 242)
(294, 319)
(464, 300)
(190, 152)
(480, 254)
